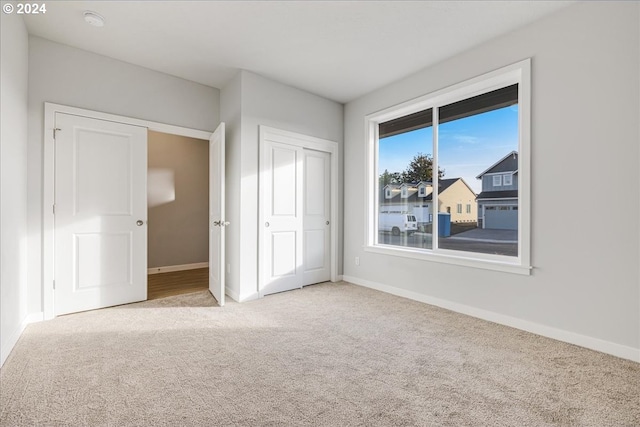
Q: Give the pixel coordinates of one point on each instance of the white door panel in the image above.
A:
(217, 220)
(100, 198)
(317, 212)
(281, 257)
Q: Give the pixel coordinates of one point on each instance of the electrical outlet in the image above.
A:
(357, 260)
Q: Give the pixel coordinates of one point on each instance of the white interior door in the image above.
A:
(317, 214)
(100, 232)
(217, 220)
(282, 240)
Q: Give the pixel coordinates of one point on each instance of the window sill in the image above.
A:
(453, 258)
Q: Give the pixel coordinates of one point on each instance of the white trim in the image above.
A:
(232, 294)
(312, 143)
(180, 267)
(50, 109)
(503, 263)
(11, 342)
(519, 73)
(591, 343)
(251, 296)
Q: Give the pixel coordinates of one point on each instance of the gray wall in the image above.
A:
(264, 102)
(13, 181)
(77, 78)
(178, 232)
(231, 115)
(585, 286)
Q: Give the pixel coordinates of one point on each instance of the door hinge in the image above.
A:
(54, 285)
(54, 209)
(54, 132)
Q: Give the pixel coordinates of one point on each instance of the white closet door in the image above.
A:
(317, 212)
(281, 186)
(100, 214)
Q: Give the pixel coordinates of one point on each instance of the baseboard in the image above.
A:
(231, 293)
(339, 278)
(597, 344)
(169, 268)
(7, 346)
(35, 317)
(249, 297)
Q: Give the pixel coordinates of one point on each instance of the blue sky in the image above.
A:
(467, 146)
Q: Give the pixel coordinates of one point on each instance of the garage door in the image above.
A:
(501, 217)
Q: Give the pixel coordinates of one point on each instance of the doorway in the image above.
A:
(178, 211)
(115, 170)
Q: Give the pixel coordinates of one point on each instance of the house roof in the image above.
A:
(508, 163)
(508, 194)
(443, 184)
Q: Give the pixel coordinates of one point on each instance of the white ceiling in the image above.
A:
(336, 49)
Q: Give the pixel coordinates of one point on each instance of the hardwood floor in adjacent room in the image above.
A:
(177, 282)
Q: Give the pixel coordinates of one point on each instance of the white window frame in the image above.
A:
(497, 180)
(422, 191)
(519, 73)
(459, 208)
(507, 179)
(404, 192)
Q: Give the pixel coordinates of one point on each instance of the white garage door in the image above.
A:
(501, 217)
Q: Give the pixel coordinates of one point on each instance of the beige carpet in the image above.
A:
(327, 355)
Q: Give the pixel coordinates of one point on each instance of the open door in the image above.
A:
(217, 221)
(100, 213)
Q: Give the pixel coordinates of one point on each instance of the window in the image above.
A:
(404, 192)
(463, 141)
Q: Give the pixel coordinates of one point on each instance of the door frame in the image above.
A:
(48, 224)
(267, 133)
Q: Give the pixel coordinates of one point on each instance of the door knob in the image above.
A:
(327, 222)
(139, 222)
(266, 224)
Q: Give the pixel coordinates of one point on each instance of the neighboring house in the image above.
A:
(498, 201)
(455, 197)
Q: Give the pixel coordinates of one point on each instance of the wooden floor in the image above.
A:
(177, 282)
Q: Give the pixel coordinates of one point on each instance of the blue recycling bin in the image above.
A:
(444, 224)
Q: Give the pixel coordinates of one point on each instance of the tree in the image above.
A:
(390, 178)
(420, 169)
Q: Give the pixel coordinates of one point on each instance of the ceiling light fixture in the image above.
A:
(93, 18)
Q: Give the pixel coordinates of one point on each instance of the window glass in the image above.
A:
(471, 149)
(405, 148)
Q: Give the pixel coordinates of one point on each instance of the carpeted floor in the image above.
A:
(327, 355)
